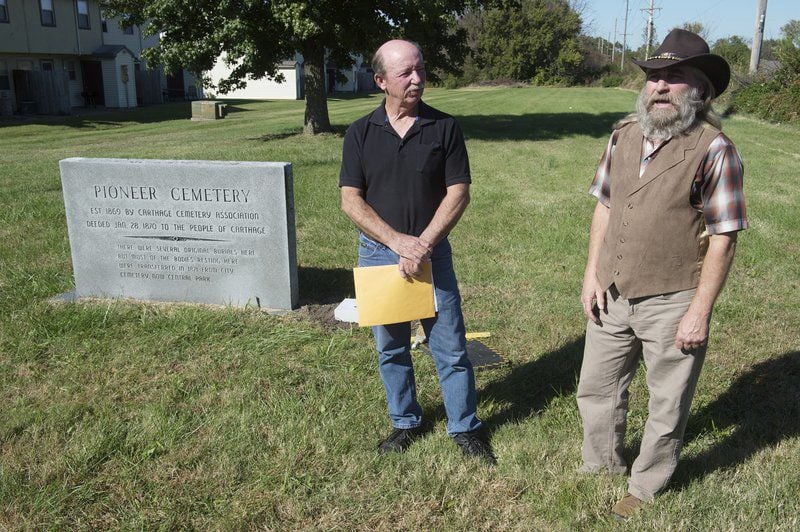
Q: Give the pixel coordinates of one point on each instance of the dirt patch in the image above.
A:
(322, 315)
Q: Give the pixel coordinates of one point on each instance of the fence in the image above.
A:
(148, 87)
(44, 93)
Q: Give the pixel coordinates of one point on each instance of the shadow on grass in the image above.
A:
(760, 409)
(361, 95)
(319, 286)
(336, 131)
(103, 118)
(529, 388)
(537, 126)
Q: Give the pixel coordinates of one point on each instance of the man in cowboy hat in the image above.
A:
(663, 234)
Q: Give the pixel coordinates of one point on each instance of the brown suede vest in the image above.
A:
(656, 240)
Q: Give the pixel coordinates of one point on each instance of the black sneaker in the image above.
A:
(473, 445)
(399, 440)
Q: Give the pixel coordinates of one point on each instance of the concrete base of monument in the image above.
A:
(72, 297)
(66, 297)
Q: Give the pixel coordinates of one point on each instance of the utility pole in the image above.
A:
(625, 37)
(649, 28)
(614, 42)
(758, 36)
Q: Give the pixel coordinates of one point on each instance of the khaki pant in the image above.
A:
(634, 329)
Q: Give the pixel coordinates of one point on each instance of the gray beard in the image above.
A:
(663, 124)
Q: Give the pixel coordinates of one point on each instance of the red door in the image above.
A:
(92, 75)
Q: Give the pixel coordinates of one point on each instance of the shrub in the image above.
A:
(770, 100)
(778, 98)
(611, 81)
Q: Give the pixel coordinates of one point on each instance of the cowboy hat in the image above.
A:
(683, 47)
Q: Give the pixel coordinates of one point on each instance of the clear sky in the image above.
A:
(722, 18)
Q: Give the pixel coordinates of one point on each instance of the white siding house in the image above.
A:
(263, 89)
(358, 78)
(119, 84)
(182, 85)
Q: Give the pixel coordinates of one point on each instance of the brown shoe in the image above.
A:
(626, 507)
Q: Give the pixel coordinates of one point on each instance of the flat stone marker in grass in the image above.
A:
(190, 231)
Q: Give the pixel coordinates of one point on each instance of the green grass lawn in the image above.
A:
(130, 415)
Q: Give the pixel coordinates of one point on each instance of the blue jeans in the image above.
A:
(446, 340)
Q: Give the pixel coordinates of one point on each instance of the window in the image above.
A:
(5, 83)
(47, 65)
(104, 24)
(126, 25)
(4, 12)
(47, 13)
(83, 14)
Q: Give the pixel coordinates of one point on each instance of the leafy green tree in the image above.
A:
(653, 42)
(596, 60)
(530, 40)
(256, 35)
(734, 50)
(696, 27)
(776, 95)
(471, 23)
(791, 31)
(768, 48)
(788, 53)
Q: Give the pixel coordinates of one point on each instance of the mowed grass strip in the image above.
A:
(132, 415)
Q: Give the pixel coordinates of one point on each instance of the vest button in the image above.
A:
(616, 272)
(619, 257)
(625, 224)
(630, 205)
(621, 240)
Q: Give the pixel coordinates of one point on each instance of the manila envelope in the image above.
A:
(383, 297)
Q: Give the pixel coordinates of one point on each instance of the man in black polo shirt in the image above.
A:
(405, 183)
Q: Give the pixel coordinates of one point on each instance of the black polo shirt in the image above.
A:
(404, 180)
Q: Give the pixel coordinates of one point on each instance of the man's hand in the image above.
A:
(692, 330)
(411, 247)
(409, 268)
(591, 293)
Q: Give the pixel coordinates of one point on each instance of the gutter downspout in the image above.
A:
(140, 42)
(77, 30)
(27, 33)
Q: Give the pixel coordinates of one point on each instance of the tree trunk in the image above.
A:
(316, 120)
